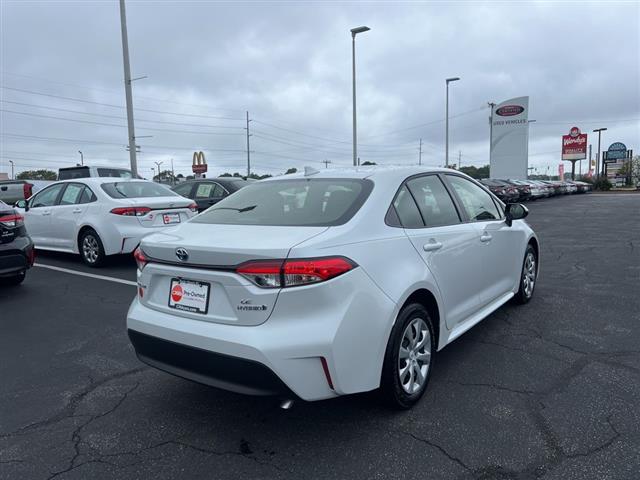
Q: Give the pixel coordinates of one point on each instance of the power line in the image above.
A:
(116, 106)
(117, 116)
(113, 124)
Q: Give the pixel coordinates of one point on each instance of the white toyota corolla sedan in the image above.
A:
(96, 217)
(329, 283)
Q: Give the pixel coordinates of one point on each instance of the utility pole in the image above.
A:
(420, 153)
(326, 163)
(158, 164)
(248, 150)
(127, 90)
(590, 160)
(598, 159)
(173, 174)
(459, 159)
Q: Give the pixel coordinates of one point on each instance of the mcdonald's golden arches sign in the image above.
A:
(199, 163)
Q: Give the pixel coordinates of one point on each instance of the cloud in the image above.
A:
(289, 65)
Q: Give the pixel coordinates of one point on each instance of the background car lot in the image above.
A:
(548, 391)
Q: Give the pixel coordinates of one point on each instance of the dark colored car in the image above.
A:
(524, 190)
(505, 192)
(209, 191)
(16, 248)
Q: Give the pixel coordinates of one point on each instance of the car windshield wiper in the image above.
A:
(239, 210)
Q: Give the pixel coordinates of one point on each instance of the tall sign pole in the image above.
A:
(491, 106)
(598, 159)
(127, 89)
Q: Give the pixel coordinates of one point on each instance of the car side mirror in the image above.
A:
(22, 204)
(515, 211)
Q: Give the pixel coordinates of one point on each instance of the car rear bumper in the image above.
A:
(210, 368)
(320, 341)
(16, 256)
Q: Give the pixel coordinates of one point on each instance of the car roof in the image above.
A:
(377, 173)
(102, 180)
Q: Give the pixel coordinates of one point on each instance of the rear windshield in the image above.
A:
(136, 190)
(71, 173)
(114, 172)
(298, 202)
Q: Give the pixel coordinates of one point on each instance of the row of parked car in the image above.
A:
(510, 191)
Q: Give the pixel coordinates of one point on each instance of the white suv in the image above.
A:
(330, 283)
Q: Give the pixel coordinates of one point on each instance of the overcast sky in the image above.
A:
(289, 65)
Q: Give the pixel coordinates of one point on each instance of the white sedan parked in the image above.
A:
(97, 217)
(330, 283)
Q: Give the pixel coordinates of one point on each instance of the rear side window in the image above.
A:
(136, 190)
(407, 210)
(297, 202)
(71, 194)
(205, 190)
(434, 201)
(114, 172)
(477, 203)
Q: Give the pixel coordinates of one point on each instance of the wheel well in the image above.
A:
(534, 243)
(428, 301)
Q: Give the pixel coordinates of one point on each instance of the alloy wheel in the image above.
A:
(90, 248)
(415, 356)
(529, 274)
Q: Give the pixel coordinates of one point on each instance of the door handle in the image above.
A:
(432, 246)
(77, 210)
(486, 237)
(46, 212)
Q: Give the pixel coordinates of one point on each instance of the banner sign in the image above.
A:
(509, 150)
(616, 151)
(199, 163)
(574, 145)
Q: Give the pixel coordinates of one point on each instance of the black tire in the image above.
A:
(91, 248)
(391, 387)
(524, 293)
(15, 279)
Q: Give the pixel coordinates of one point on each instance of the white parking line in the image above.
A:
(83, 274)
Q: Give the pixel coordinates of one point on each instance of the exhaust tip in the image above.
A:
(286, 404)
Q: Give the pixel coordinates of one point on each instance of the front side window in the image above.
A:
(434, 201)
(47, 197)
(477, 203)
(136, 190)
(297, 202)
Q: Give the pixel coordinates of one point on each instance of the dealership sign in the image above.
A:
(509, 155)
(616, 151)
(574, 145)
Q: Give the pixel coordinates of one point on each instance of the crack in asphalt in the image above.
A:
(69, 409)
(438, 447)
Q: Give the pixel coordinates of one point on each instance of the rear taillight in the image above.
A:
(27, 190)
(131, 211)
(12, 221)
(294, 272)
(194, 207)
(141, 258)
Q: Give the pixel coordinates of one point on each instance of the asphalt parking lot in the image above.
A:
(550, 390)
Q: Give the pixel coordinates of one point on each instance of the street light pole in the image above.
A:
(81, 158)
(13, 177)
(158, 164)
(599, 130)
(354, 32)
(446, 128)
(127, 90)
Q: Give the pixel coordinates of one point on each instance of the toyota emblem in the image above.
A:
(182, 254)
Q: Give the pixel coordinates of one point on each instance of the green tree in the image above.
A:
(226, 174)
(37, 175)
(166, 176)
